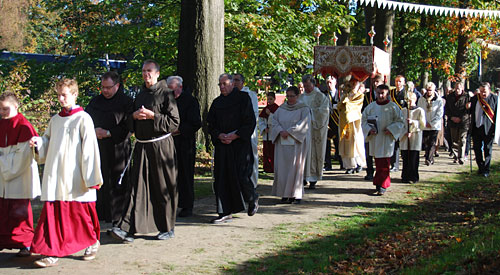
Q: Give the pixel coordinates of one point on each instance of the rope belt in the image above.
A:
(132, 153)
(154, 139)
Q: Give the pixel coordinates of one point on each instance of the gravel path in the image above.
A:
(200, 247)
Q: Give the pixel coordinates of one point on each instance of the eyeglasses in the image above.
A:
(107, 87)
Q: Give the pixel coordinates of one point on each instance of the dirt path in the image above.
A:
(200, 247)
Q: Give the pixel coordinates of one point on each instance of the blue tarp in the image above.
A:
(119, 65)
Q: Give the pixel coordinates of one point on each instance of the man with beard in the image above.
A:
(231, 122)
(153, 199)
(110, 111)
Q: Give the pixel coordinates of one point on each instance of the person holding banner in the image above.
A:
(483, 118)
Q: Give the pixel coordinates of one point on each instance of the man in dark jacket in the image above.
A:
(458, 121)
(483, 115)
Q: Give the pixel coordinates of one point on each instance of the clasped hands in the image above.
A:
(143, 114)
(227, 138)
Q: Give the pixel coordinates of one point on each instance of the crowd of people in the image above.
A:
(94, 173)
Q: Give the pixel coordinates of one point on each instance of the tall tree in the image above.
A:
(201, 51)
(13, 21)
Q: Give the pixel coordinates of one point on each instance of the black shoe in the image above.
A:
(304, 182)
(327, 168)
(253, 207)
(405, 181)
(312, 185)
(358, 169)
(286, 200)
(222, 219)
(349, 171)
(369, 177)
(297, 201)
(186, 212)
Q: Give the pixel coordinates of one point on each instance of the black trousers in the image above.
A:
(328, 154)
(483, 148)
(186, 153)
(395, 156)
(429, 143)
(369, 160)
(410, 165)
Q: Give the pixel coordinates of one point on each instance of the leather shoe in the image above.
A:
(186, 212)
(312, 185)
(349, 171)
(369, 177)
(253, 207)
(358, 169)
(222, 219)
(394, 169)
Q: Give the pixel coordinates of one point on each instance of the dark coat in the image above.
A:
(489, 127)
(112, 114)
(456, 107)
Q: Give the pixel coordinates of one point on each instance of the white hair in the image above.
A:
(174, 78)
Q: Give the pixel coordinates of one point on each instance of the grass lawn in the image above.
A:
(447, 225)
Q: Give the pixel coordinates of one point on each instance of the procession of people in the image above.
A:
(93, 172)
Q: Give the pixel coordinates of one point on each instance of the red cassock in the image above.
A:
(66, 227)
(268, 146)
(16, 217)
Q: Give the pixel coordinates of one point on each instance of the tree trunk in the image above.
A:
(403, 32)
(383, 21)
(424, 75)
(201, 53)
(345, 33)
(463, 44)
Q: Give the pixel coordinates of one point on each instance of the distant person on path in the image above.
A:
(19, 179)
(382, 124)
(265, 127)
(320, 108)
(239, 82)
(292, 138)
(484, 119)
(433, 106)
(458, 121)
(152, 203)
(185, 143)
(110, 111)
(411, 140)
(231, 122)
(333, 123)
(72, 173)
(352, 143)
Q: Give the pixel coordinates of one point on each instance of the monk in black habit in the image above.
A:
(231, 122)
(185, 143)
(110, 111)
(153, 198)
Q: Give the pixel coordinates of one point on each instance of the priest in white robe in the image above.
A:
(290, 134)
(382, 124)
(320, 110)
(352, 142)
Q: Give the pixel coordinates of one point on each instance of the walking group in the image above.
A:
(94, 173)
